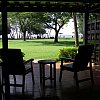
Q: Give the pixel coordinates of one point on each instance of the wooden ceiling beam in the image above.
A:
(51, 6)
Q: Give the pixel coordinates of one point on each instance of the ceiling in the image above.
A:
(53, 6)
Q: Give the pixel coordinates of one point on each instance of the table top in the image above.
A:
(47, 61)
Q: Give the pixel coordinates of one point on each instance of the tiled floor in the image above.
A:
(66, 90)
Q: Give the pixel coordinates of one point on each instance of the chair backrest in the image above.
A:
(83, 57)
(14, 61)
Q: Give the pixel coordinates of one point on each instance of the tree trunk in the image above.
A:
(56, 36)
(76, 30)
(24, 35)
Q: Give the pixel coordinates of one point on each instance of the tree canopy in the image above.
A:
(27, 21)
(55, 21)
(36, 22)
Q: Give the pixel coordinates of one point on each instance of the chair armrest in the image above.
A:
(27, 61)
(64, 59)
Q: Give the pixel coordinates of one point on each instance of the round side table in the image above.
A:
(42, 64)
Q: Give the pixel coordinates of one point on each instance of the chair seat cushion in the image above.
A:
(70, 67)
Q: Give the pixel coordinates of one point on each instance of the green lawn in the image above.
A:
(41, 48)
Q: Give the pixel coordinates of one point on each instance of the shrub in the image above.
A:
(68, 52)
(23, 54)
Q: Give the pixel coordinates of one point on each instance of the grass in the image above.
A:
(41, 48)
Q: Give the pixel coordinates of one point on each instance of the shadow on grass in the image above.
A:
(60, 43)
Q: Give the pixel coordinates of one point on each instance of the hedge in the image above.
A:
(67, 52)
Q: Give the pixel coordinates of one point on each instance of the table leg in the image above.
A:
(54, 74)
(43, 67)
(51, 73)
(40, 73)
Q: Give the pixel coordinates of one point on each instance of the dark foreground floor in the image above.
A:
(66, 90)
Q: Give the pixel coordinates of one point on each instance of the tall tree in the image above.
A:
(24, 20)
(55, 21)
(80, 22)
(27, 21)
(76, 29)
